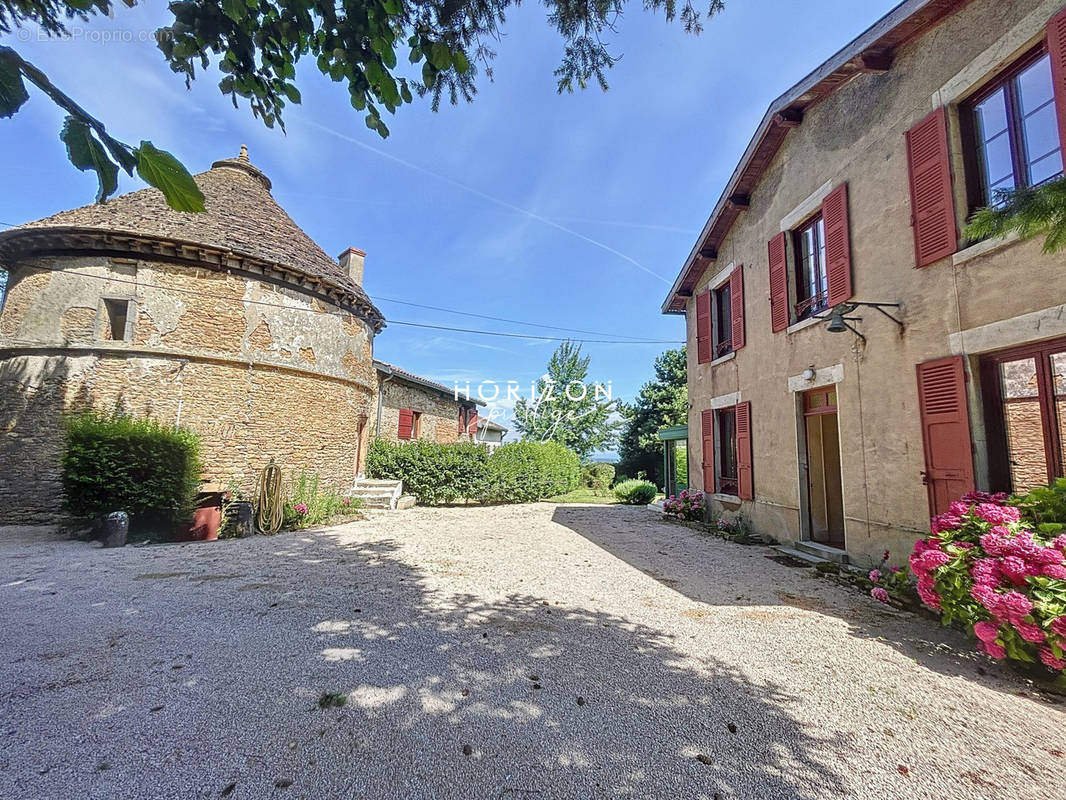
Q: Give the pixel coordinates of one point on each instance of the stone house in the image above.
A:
(412, 407)
(824, 421)
(490, 433)
(232, 323)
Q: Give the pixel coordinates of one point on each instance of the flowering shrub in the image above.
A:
(987, 567)
(687, 506)
(890, 582)
(311, 502)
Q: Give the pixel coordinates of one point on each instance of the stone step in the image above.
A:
(798, 555)
(376, 482)
(823, 551)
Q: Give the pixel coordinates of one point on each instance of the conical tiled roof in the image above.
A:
(241, 216)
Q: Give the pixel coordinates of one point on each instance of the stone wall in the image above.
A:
(252, 368)
(440, 413)
(857, 136)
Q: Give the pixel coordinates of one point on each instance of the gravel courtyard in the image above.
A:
(533, 651)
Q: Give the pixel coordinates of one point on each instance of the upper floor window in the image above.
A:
(812, 281)
(721, 310)
(1013, 131)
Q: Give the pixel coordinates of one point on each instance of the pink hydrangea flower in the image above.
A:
(1015, 569)
(945, 522)
(1058, 626)
(933, 559)
(1030, 632)
(879, 594)
(929, 597)
(959, 508)
(300, 508)
(1054, 571)
(985, 572)
(1048, 657)
(986, 597)
(986, 631)
(1059, 542)
(1048, 555)
(994, 650)
(1016, 604)
(875, 575)
(997, 515)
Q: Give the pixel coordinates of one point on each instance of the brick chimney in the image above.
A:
(351, 261)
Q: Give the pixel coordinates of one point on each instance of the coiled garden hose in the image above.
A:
(269, 511)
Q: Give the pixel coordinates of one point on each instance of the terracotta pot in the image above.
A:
(206, 521)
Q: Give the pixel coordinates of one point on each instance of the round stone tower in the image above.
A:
(232, 323)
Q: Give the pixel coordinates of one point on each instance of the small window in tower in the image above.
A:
(116, 313)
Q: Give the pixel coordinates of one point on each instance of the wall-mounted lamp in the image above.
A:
(809, 374)
(839, 319)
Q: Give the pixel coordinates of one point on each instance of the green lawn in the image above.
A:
(585, 495)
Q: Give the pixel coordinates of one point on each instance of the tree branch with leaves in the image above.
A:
(256, 45)
(1030, 211)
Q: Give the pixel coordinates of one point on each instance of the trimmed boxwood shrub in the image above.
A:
(119, 463)
(434, 473)
(524, 472)
(636, 493)
(597, 476)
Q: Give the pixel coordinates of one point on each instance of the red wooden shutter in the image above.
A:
(932, 201)
(471, 426)
(837, 245)
(736, 306)
(1056, 46)
(407, 424)
(778, 284)
(745, 490)
(707, 420)
(945, 431)
(703, 328)
(462, 421)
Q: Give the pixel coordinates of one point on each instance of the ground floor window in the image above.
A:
(726, 424)
(1025, 415)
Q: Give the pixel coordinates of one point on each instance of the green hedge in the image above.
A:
(524, 472)
(118, 463)
(434, 473)
(520, 472)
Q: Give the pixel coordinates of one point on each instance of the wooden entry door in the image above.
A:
(945, 431)
(825, 486)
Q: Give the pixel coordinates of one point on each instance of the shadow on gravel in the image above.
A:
(235, 692)
(555, 701)
(712, 578)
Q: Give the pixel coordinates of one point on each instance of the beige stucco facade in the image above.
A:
(987, 296)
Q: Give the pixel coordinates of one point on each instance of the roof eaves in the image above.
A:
(784, 112)
(409, 377)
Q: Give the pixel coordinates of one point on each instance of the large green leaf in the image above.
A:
(161, 170)
(12, 90)
(85, 152)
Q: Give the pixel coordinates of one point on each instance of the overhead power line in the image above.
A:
(504, 319)
(198, 293)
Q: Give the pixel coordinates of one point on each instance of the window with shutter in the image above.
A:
(778, 283)
(837, 245)
(945, 422)
(471, 427)
(1056, 45)
(406, 425)
(707, 434)
(745, 487)
(932, 201)
(703, 328)
(736, 307)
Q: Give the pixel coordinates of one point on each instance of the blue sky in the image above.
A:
(574, 210)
